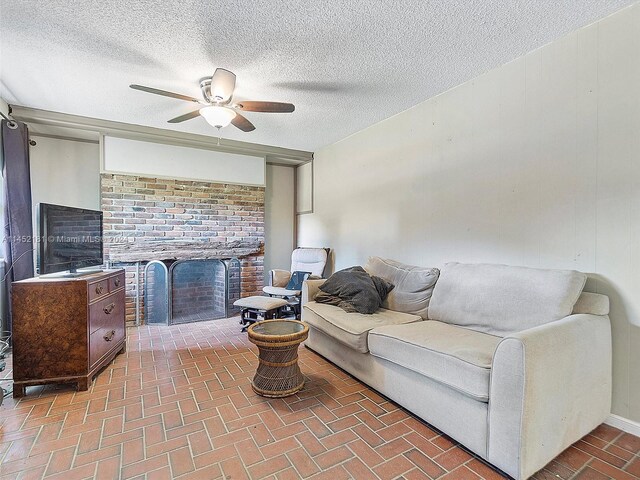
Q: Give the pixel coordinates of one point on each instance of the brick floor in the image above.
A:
(179, 405)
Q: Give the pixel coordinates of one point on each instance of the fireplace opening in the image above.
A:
(184, 291)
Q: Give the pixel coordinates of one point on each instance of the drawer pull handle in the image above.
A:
(99, 289)
(117, 282)
(109, 308)
(109, 336)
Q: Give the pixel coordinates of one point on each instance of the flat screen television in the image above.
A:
(70, 238)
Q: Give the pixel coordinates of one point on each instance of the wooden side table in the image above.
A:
(278, 374)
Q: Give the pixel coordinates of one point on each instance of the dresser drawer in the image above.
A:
(116, 282)
(107, 312)
(98, 289)
(103, 341)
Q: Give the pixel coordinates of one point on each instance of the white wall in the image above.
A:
(279, 218)
(304, 188)
(535, 163)
(176, 161)
(65, 172)
(4, 107)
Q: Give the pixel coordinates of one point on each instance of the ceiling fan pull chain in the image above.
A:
(218, 135)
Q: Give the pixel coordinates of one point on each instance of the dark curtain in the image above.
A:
(19, 228)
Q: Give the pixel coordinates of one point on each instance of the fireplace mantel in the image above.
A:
(147, 250)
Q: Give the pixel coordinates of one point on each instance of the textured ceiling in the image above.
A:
(344, 64)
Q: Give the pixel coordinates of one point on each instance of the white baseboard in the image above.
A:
(624, 424)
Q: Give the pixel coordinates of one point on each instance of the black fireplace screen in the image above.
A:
(187, 291)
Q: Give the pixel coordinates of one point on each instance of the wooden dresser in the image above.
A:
(66, 329)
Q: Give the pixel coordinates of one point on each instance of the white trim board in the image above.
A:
(157, 135)
(624, 424)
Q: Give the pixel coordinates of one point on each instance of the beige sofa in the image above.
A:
(513, 362)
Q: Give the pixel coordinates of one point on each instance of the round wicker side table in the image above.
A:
(278, 374)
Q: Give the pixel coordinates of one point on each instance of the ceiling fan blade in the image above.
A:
(186, 116)
(242, 123)
(223, 83)
(164, 93)
(267, 107)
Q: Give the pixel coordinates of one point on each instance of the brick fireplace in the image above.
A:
(141, 209)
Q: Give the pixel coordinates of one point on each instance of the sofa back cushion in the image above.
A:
(413, 285)
(500, 299)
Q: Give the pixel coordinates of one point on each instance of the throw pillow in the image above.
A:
(296, 280)
(413, 285)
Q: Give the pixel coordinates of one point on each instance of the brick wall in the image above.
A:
(155, 208)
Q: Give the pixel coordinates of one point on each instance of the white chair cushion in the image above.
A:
(413, 286)
(455, 356)
(351, 329)
(500, 299)
(309, 260)
(280, 291)
(260, 303)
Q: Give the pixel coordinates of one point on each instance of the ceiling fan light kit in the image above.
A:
(216, 116)
(223, 83)
(218, 110)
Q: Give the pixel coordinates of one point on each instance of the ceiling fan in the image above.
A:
(218, 109)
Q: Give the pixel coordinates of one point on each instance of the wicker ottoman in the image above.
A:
(278, 374)
(258, 308)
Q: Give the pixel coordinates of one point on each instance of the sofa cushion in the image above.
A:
(455, 356)
(351, 329)
(413, 285)
(500, 299)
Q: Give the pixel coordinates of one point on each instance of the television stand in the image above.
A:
(65, 330)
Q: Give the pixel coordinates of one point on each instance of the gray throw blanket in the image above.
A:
(354, 290)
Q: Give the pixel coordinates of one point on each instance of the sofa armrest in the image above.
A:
(279, 278)
(309, 289)
(550, 386)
